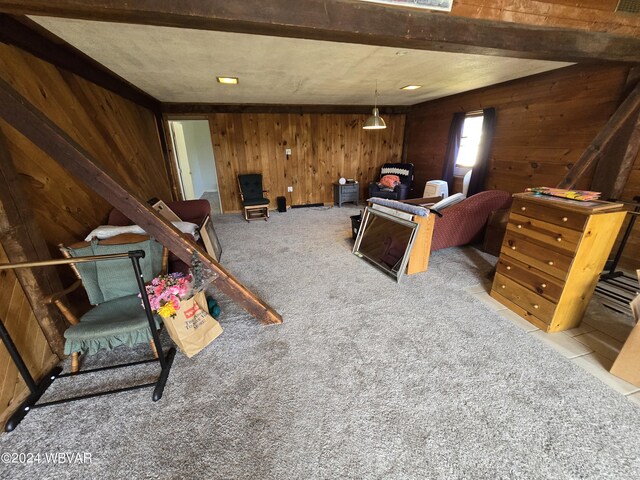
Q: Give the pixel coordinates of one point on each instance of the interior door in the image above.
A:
(184, 169)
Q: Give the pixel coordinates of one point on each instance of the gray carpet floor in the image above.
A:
(365, 379)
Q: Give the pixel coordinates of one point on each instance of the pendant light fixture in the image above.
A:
(375, 121)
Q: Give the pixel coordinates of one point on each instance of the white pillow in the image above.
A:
(108, 231)
(447, 202)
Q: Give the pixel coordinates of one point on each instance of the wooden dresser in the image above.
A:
(552, 255)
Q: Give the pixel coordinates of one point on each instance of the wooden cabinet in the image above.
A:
(349, 192)
(551, 257)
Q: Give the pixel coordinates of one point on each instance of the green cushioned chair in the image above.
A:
(117, 317)
(255, 204)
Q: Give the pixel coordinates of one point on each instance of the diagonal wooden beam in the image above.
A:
(618, 120)
(22, 241)
(616, 161)
(630, 155)
(33, 124)
(349, 21)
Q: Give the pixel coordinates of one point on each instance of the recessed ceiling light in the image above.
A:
(411, 87)
(228, 80)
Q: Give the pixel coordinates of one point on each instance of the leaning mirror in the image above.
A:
(385, 240)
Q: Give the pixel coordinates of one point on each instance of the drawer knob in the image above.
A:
(508, 267)
(518, 226)
(559, 239)
(550, 262)
(513, 247)
(523, 208)
(503, 286)
(544, 285)
(564, 219)
(535, 305)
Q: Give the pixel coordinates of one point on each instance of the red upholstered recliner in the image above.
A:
(194, 211)
(465, 222)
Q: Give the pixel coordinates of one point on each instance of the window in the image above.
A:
(469, 142)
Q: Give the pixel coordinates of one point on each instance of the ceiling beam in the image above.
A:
(46, 135)
(208, 108)
(351, 22)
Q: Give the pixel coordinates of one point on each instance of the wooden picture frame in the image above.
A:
(210, 239)
(165, 211)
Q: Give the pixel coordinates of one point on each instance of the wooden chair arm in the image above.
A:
(58, 295)
(165, 261)
(56, 299)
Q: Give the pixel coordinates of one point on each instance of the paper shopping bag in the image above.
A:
(192, 328)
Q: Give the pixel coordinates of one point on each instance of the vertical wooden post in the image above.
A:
(22, 240)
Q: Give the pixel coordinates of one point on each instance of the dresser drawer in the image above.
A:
(557, 237)
(350, 188)
(530, 278)
(550, 214)
(524, 298)
(537, 255)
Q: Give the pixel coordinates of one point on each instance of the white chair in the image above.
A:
(465, 182)
(436, 188)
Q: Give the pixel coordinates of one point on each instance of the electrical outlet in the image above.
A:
(287, 151)
(289, 189)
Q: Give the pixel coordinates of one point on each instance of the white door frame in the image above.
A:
(182, 160)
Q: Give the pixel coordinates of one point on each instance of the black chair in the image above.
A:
(255, 204)
(400, 192)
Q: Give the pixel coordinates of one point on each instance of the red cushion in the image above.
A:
(390, 181)
(465, 222)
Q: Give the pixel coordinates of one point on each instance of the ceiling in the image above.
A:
(180, 65)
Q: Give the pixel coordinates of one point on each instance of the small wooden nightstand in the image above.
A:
(349, 192)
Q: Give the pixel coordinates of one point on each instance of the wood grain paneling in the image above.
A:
(121, 134)
(593, 15)
(522, 29)
(21, 323)
(543, 124)
(324, 147)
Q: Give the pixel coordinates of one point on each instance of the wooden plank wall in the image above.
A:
(116, 131)
(630, 257)
(593, 15)
(543, 124)
(324, 148)
(21, 323)
(119, 133)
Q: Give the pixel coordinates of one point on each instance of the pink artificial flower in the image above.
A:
(176, 302)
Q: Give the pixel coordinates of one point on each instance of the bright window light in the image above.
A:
(470, 141)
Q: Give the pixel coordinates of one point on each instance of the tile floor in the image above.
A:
(588, 346)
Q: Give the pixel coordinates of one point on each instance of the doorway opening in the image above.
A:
(195, 160)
